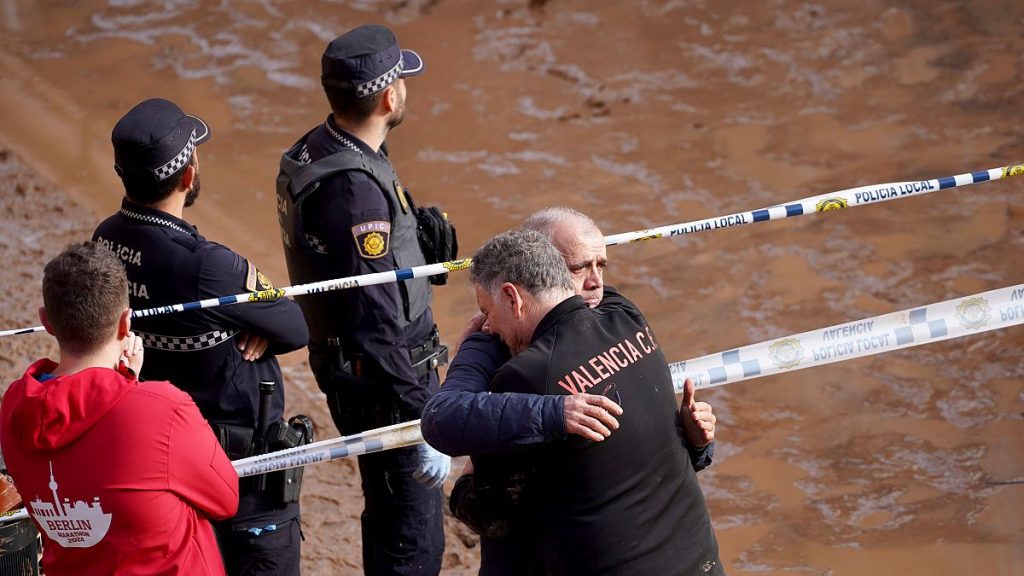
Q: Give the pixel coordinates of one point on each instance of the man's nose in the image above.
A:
(593, 279)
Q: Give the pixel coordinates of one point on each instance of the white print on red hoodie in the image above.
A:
(77, 525)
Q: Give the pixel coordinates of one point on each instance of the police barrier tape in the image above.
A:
(376, 440)
(297, 290)
(821, 203)
(975, 314)
(982, 312)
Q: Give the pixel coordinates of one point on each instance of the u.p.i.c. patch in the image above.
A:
(372, 238)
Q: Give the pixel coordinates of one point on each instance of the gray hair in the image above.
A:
(544, 220)
(522, 257)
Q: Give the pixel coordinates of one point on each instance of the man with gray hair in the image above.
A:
(629, 504)
(581, 245)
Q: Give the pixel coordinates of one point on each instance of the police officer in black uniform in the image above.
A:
(219, 355)
(373, 350)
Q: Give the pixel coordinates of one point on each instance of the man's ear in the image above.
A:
(389, 98)
(45, 321)
(124, 324)
(513, 299)
(188, 177)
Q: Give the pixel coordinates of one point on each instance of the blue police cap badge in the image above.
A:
(372, 238)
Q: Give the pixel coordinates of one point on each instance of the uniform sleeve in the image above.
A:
(223, 273)
(198, 470)
(346, 201)
(700, 458)
(464, 418)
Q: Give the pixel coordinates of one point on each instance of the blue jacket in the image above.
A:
(464, 418)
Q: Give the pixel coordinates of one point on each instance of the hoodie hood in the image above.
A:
(47, 416)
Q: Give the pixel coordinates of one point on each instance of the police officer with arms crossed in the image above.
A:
(373, 350)
(218, 355)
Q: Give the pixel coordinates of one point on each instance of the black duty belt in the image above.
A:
(424, 357)
(428, 355)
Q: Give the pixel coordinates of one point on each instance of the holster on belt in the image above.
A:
(429, 354)
(359, 403)
(240, 442)
(281, 435)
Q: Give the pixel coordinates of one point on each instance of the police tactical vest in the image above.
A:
(307, 262)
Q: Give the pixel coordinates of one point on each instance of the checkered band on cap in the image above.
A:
(379, 83)
(167, 170)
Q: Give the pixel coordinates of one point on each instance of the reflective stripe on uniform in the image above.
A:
(186, 343)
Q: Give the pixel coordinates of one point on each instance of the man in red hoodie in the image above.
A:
(120, 476)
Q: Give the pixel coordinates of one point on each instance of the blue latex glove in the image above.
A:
(433, 467)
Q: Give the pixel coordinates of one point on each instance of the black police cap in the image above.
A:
(369, 57)
(155, 140)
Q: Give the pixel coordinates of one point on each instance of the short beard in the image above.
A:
(396, 118)
(193, 193)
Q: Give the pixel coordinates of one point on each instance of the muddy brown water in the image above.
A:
(639, 113)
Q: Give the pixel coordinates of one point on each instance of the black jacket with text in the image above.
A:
(630, 504)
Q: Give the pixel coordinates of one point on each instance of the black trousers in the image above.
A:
(263, 539)
(402, 520)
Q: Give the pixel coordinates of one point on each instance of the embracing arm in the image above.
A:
(698, 423)
(464, 418)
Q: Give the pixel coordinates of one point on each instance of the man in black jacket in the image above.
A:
(218, 355)
(629, 504)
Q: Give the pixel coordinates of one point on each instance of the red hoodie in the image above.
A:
(120, 476)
